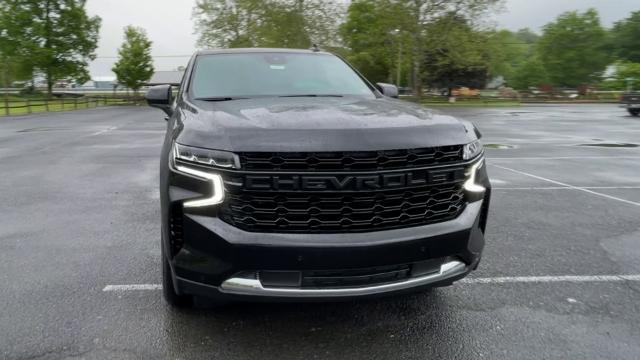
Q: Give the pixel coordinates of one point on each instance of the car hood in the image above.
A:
(316, 124)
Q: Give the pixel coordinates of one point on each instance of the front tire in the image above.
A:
(168, 289)
(634, 112)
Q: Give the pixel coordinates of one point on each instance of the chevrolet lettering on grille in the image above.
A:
(284, 182)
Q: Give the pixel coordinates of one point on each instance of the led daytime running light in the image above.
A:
(470, 185)
(217, 188)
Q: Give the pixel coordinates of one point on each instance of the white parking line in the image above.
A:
(133, 287)
(486, 280)
(562, 158)
(567, 185)
(567, 188)
(551, 279)
(102, 131)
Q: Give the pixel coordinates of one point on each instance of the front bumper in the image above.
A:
(630, 106)
(254, 287)
(219, 260)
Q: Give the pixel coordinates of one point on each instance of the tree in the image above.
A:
(228, 23)
(507, 51)
(370, 23)
(12, 66)
(55, 37)
(527, 36)
(424, 12)
(321, 20)
(455, 54)
(300, 23)
(377, 38)
(572, 48)
(275, 23)
(12, 69)
(135, 64)
(530, 74)
(625, 37)
(282, 27)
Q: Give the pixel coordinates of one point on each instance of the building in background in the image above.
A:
(100, 82)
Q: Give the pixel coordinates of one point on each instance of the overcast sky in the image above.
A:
(170, 27)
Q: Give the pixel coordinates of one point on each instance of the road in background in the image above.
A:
(80, 210)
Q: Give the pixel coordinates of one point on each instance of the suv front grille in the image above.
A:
(351, 160)
(343, 212)
(340, 192)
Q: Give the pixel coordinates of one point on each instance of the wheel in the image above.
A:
(634, 112)
(169, 291)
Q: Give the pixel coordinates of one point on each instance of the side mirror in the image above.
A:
(388, 90)
(161, 97)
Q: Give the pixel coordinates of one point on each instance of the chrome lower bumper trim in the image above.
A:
(253, 287)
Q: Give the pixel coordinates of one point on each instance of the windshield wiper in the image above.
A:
(313, 95)
(221, 98)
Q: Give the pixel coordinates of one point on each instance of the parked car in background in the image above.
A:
(460, 91)
(631, 102)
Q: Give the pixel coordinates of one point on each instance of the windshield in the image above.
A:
(275, 74)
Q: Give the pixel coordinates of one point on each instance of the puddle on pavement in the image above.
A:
(611, 145)
(499, 146)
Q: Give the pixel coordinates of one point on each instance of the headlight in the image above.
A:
(222, 159)
(471, 150)
(187, 154)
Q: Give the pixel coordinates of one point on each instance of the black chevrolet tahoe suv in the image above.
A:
(285, 175)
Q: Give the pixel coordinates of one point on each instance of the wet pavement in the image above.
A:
(79, 211)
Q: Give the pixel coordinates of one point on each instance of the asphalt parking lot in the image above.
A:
(560, 277)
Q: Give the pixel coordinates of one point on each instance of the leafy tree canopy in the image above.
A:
(455, 54)
(625, 37)
(54, 37)
(376, 48)
(530, 74)
(12, 68)
(376, 34)
(264, 23)
(507, 51)
(527, 36)
(572, 48)
(135, 64)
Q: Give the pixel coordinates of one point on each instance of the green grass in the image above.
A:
(439, 101)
